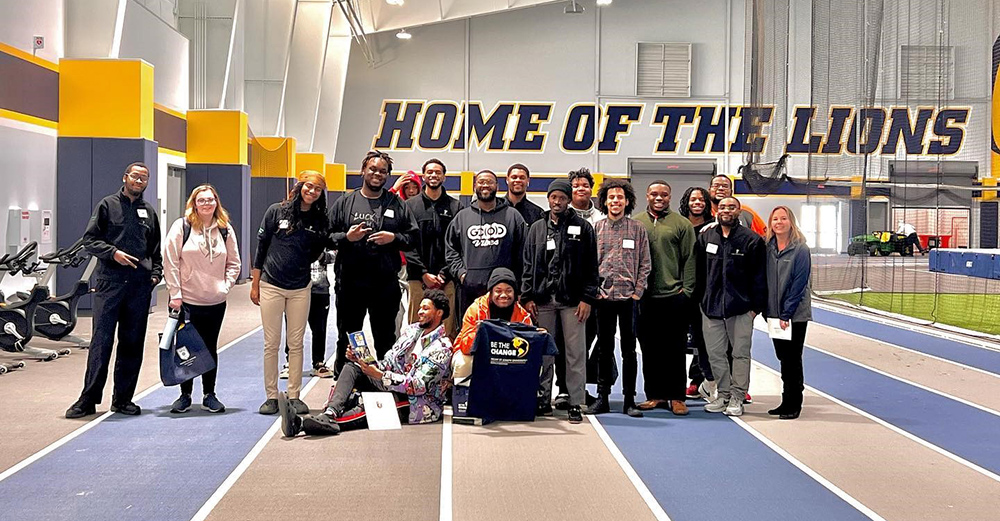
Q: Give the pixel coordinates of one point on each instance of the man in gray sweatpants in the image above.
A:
(731, 285)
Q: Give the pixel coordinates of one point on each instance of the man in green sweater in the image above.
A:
(671, 283)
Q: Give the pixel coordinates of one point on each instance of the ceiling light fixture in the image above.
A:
(573, 8)
(603, 2)
(403, 35)
(394, 2)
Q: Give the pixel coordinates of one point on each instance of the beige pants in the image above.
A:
(276, 304)
(417, 295)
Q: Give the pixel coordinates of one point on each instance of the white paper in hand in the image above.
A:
(380, 410)
(775, 331)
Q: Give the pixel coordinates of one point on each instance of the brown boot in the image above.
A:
(678, 408)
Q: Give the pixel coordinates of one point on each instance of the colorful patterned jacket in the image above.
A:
(418, 367)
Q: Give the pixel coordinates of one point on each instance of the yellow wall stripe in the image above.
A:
(177, 153)
(24, 118)
(27, 56)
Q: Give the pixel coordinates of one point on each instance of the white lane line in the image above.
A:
(914, 351)
(92, 423)
(237, 473)
(885, 319)
(920, 441)
(640, 487)
(869, 513)
(446, 468)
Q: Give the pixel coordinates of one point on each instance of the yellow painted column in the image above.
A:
(106, 99)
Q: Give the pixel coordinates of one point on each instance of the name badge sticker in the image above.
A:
(283, 224)
(628, 244)
(389, 214)
(712, 248)
(550, 244)
(573, 230)
(143, 214)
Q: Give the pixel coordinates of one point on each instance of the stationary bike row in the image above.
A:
(29, 313)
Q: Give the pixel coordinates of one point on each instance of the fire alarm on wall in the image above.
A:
(38, 42)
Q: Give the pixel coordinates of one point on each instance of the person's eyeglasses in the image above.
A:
(205, 201)
(138, 178)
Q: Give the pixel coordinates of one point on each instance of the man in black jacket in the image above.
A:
(518, 179)
(369, 228)
(487, 235)
(731, 282)
(558, 288)
(124, 233)
(426, 267)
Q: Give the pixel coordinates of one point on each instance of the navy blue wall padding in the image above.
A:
(264, 191)
(859, 217)
(87, 170)
(233, 184)
(988, 214)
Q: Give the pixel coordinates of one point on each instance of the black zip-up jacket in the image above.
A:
(478, 241)
(118, 223)
(285, 252)
(731, 272)
(433, 218)
(566, 268)
(530, 211)
(363, 263)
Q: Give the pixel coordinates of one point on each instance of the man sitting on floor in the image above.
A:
(414, 370)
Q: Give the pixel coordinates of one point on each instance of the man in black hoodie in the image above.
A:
(489, 234)
(558, 287)
(426, 267)
(369, 228)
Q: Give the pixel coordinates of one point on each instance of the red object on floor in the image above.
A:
(943, 241)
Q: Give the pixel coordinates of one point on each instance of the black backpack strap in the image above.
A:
(187, 233)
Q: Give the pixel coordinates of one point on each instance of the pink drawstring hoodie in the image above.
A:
(202, 271)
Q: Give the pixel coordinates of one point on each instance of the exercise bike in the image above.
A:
(16, 319)
(56, 317)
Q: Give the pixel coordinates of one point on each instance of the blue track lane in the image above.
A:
(705, 466)
(955, 427)
(962, 353)
(155, 466)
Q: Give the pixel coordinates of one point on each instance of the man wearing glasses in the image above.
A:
(124, 233)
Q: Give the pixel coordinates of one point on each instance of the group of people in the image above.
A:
(580, 271)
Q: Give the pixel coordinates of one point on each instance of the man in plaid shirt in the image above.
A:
(623, 268)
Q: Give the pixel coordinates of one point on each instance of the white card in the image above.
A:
(712, 248)
(142, 213)
(283, 224)
(628, 244)
(389, 214)
(573, 230)
(550, 244)
(774, 329)
(380, 410)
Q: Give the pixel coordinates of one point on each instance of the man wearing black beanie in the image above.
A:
(558, 287)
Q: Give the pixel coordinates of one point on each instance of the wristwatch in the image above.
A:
(386, 379)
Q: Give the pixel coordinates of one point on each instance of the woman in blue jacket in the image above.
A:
(788, 268)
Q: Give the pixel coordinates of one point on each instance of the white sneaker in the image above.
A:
(284, 372)
(716, 405)
(735, 407)
(709, 390)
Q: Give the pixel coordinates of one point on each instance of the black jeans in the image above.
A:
(612, 313)
(207, 321)
(789, 353)
(663, 347)
(700, 369)
(380, 303)
(122, 305)
(319, 312)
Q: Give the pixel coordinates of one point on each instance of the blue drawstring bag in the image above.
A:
(183, 354)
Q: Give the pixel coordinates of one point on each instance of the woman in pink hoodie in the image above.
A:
(201, 263)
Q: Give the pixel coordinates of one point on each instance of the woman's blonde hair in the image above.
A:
(794, 234)
(191, 214)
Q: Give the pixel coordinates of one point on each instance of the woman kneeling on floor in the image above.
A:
(201, 263)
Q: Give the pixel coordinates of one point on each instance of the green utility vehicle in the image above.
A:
(879, 243)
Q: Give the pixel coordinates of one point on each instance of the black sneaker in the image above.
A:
(127, 408)
(320, 425)
(299, 406)
(269, 407)
(575, 414)
(182, 404)
(291, 424)
(212, 404)
(600, 405)
(561, 402)
(632, 411)
(80, 409)
(544, 408)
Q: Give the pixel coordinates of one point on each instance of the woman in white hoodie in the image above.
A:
(201, 263)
